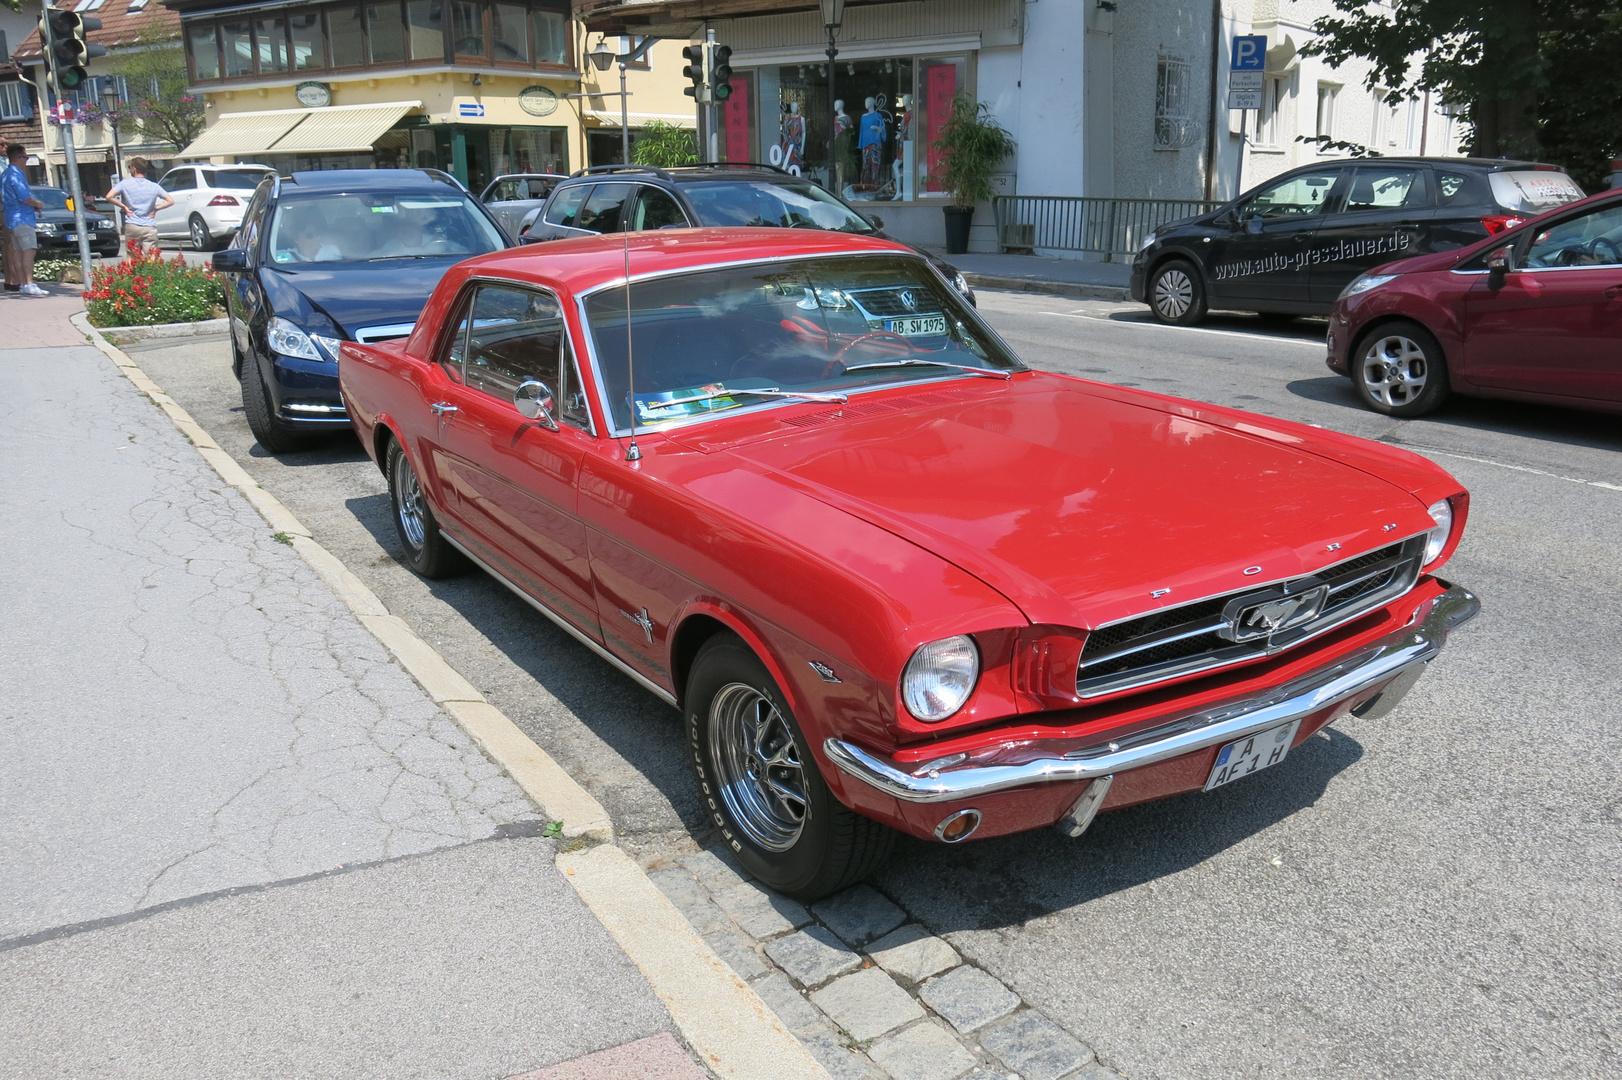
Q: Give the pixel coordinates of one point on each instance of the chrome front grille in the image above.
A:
(892, 303)
(1200, 636)
(370, 334)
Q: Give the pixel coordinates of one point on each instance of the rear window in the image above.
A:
(237, 179)
(1532, 192)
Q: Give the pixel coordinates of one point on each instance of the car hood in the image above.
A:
(360, 294)
(56, 217)
(1084, 504)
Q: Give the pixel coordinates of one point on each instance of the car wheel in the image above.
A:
(1399, 370)
(761, 784)
(1176, 294)
(426, 549)
(273, 434)
(201, 239)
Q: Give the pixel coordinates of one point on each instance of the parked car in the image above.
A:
(792, 518)
(1291, 245)
(58, 233)
(616, 198)
(325, 257)
(1532, 314)
(209, 202)
(510, 198)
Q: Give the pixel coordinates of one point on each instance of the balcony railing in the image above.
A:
(1114, 228)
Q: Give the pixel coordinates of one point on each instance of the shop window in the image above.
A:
(551, 36)
(385, 33)
(425, 29)
(943, 79)
(346, 34)
(467, 29)
(509, 32)
(205, 51)
(236, 42)
(1175, 128)
(871, 128)
(270, 36)
(309, 43)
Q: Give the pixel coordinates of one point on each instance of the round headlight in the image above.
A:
(940, 677)
(1441, 512)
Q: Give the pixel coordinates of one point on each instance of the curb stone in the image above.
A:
(719, 1015)
(124, 335)
(1049, 288)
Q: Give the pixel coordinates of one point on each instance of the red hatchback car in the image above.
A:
(1534, 313)
(796, 487)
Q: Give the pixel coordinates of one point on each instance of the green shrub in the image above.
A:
(664, 146)
(146, 288)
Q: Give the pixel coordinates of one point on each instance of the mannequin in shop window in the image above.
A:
(793, 138)
(903, 140)
(871, 144)
(844, 146)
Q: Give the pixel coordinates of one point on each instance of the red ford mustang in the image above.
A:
(795, 486)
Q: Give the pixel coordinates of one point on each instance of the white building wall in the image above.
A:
(1052, 115)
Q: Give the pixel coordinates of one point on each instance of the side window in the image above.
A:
(1387, 187)
(515, 335)
(456, 349)
(565, 209)
(185, 180)
(1449, 185)
(602, 211)
(655, 209)
(506, 191)
(248, 236)
(572, 407)
(169, 180)
(1299, 196)
(1592, 239)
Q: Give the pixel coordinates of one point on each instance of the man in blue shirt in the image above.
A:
(141, 200)
(18, 204)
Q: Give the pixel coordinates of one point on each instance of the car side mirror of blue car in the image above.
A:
(231, 261)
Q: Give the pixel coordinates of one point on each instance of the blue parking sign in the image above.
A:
(1250, 52)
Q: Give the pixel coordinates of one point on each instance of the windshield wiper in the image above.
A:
(390, 258)
(764, 391)
(995, 373)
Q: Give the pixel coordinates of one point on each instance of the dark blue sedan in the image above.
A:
(341, 255)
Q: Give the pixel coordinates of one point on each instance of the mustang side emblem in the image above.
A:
(1263, 614)
(642, 620)
(824, 672)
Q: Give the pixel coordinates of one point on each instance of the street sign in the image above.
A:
(1249, 53)
(469, 109)
(1244, 80)
(1244, 99)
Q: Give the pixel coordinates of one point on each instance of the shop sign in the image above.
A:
(313, 95)
(537, 101)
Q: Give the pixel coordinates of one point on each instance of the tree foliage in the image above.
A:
(1530, 78)
(155, 74)
(664, 146)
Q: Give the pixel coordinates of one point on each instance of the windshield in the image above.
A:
(817, 326)
(53, 198)
(378, 226)
(761, 202)
(239, 179)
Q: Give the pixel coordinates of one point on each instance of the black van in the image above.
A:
(1291, 245)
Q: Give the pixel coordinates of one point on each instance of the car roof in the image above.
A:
(687, 174)
(1488, 164)
(364, 180)
(582, 263)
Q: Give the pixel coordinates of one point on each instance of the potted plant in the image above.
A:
(972, 144)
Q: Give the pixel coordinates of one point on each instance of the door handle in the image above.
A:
(1613, 292)
(441, 408)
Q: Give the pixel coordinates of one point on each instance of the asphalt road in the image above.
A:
(1433, 894)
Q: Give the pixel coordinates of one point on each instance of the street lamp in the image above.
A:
(833, 15)
(601, 57)
(109, 109)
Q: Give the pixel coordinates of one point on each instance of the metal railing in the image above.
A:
(1114, 228)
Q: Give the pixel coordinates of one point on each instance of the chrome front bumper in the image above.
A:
(1402, 654)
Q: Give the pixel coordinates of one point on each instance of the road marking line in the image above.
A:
(1190, 329)
(720, 1015)
(735, 1033)
(1603, 484)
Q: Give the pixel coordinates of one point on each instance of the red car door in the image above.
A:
(510, 480)
(1555, 325)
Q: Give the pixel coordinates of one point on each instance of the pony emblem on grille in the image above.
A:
(1261, 615)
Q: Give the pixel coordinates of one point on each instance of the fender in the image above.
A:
(722, 612)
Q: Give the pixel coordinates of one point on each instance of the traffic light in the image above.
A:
(66, 50)
(721, 73)
(694, 55)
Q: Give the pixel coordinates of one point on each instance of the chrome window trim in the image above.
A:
(601, 387)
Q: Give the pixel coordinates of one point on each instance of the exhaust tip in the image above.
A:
(957, 827)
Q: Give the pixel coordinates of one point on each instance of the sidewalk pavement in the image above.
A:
(237, 838)
(1037, 273)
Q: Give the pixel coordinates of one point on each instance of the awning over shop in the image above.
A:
(611, 118)
(334, 129)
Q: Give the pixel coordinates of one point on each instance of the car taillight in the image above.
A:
(1497, 223)
(223, 200)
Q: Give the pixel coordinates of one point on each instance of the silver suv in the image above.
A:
(209, 201)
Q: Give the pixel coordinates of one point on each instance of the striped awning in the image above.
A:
(334, 129)
(611, 118)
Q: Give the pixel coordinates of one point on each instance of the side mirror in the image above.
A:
(231, 261)
(1499, 264)
(875, 221)
(1253, 225)
(533, 400)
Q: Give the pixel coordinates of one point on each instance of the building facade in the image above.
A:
(19, 105)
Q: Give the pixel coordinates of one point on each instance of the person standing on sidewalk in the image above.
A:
(17, 206)
(140, 199)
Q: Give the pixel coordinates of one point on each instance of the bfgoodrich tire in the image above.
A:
(426, 549)
(1176, 293)
(1399, 370)
(760, 783)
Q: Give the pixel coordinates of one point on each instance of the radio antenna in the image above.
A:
(632, 452)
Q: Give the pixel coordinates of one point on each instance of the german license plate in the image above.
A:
(1251, 754)
(73, 237)
(923, 326)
